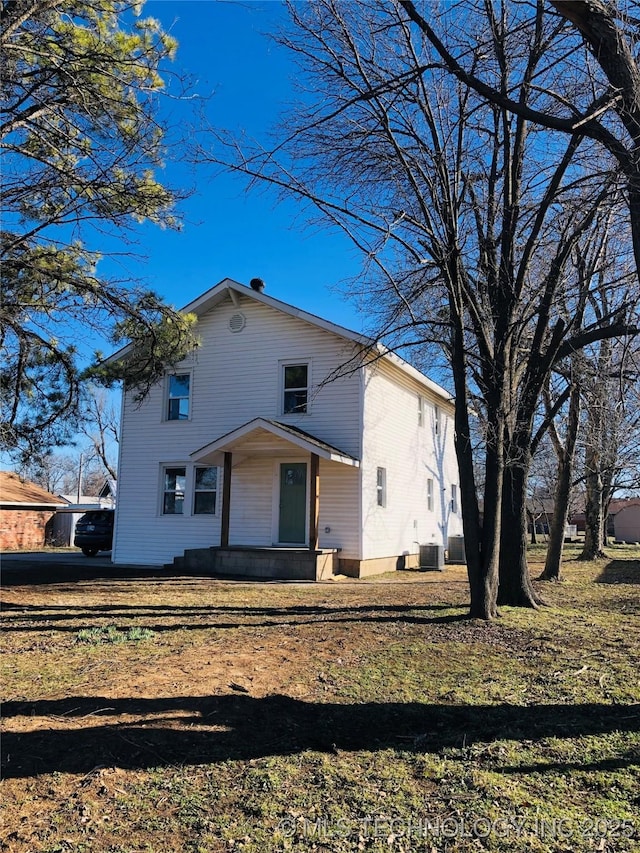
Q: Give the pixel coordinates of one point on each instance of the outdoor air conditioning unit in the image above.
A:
(432, 557)
(456, 550)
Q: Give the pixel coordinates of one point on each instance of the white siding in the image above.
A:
(235, 378)
(411, 454)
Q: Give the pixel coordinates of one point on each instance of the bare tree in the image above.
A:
(100, 425)
(565, 454)
(472, 220)
(598, 99)
(610, 438)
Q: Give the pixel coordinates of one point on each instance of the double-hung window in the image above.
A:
(178, 396)
(205, 493)
(420, 410)
(295, 388)
(173, 491)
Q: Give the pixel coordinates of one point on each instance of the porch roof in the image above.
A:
(252, 430)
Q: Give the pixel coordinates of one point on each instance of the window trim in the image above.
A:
(167, 396)
(429, 494)
(196, 491)
(421, 409)
(454, 498)
(164, 491)
(294, 362)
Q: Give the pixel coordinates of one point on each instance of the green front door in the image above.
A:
(293, 503)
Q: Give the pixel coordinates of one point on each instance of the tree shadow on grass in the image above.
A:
(31, 618)
(620, 571)
(187, 730)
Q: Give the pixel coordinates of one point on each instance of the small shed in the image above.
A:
(26, 511)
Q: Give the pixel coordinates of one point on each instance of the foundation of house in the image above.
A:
(286, 563)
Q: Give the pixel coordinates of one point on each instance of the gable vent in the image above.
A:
(237, 322)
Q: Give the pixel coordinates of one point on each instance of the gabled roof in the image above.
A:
(286, 432)
(230, 289)
(618, 504)
(18, 493)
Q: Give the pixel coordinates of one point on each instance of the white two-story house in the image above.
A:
(285, 446)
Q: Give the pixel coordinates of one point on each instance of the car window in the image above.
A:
(97, 517)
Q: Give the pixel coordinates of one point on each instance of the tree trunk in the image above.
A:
(594, 522)
(562, 491)
(594, 482)
(515, 587)
(483, 576)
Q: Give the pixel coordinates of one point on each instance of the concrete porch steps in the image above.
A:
(251, 562)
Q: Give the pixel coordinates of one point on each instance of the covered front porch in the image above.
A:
(272, 491)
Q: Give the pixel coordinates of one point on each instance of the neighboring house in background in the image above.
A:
(623, 520)
(294, 447)
(626, 520)
(107, 493)
(26, 513)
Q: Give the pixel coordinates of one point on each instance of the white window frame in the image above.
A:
(420, 410)
(164, 491)
(430, 494)
(454, 499)
(168, 398)
(300, 362)
(437, 423)
(381, 486)
(196, 491)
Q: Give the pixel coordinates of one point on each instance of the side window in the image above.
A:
(205, 492)
(173, 491)
(295, 388)
(420, 410)
(178, 397)
(454, 499)
(430, 494)
(436, 420)
(381, 487)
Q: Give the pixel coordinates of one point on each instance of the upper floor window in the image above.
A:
(173, 492)
(420, 410)
(430, 494)
(178, 396)
(381, 486)
(295, 388)
(205, 492)
(437, 417)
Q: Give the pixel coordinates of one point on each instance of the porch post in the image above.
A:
(314, 501)
(226, 500)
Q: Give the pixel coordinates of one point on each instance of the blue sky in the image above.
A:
(223, 45)
(227, 231)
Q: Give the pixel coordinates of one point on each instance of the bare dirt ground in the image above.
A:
(109, 680)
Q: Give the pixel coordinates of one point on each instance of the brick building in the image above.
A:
(25, 512)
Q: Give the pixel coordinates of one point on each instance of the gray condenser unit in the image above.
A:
(432, 557)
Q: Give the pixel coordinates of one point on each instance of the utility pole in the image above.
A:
(79, 478)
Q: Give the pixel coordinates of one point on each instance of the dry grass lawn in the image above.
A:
(189, 714)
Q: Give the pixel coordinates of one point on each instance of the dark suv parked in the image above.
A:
(94, 531)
